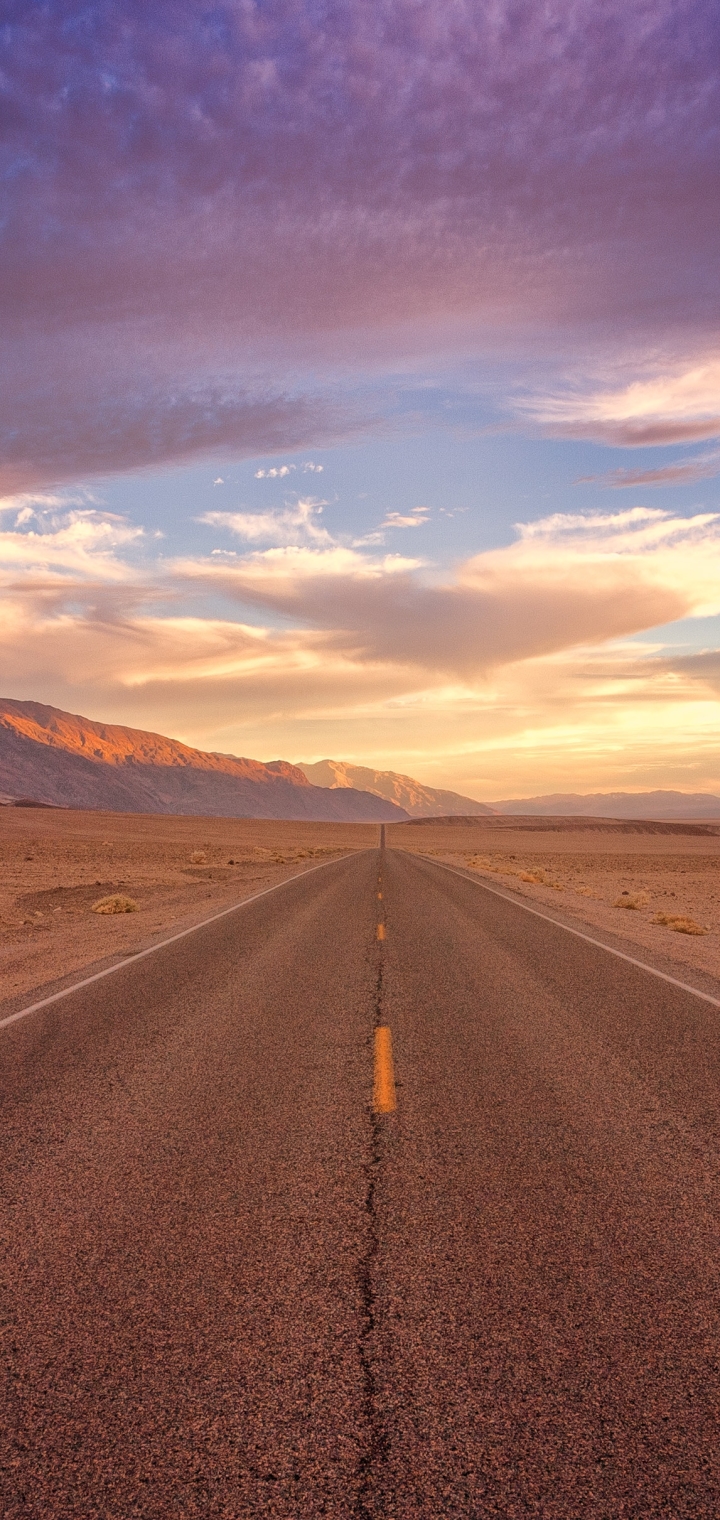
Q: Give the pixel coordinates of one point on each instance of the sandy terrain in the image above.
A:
(581, 873)
(56, 865)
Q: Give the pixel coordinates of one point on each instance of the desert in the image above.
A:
(58, 863)
(616, 878)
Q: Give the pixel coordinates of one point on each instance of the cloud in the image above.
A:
(665, 408)
(78, 420)
(33, 504)
(277, 472)
(702, 668)
(516, 675)
(681, 472)
(81, 542)
(415, 519)
(199, 199)
(568, 580)
(295, 524)
(610, 716)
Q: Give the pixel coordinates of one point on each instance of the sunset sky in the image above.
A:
(361, 381)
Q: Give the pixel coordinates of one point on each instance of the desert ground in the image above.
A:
(56, 865)
(618, 878)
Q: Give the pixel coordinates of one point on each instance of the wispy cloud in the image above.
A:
(29, 505)
(414, 519)
(294, 524)
(53, 429)
(681, 472)
(670, 407)
(279, 471)
(49, 535)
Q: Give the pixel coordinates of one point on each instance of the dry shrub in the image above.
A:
(115, 904)
(679, 924)
(627, 901)
(198, 858)
(538, 879)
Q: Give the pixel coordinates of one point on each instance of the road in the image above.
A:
(233, 1288)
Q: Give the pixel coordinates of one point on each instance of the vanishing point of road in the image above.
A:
(380, 1196)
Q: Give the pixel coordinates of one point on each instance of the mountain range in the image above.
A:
(59, 759)
(50, 756)
(428, 802)
(418, 800)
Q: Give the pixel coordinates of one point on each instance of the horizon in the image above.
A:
(305, 765)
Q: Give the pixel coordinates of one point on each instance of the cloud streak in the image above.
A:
(661, 409)
(682, 472)
(86, 423)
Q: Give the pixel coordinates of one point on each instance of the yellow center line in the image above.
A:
(379, 896)
(384, 1084)
(381, 931)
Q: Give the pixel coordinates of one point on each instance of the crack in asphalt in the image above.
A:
(374, 1459)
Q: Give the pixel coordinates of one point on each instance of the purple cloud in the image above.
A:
(210, 180)
(56, 429)
(634, 434)
(681, 472)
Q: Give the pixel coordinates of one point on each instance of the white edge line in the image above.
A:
(141, 954)
(620, 954)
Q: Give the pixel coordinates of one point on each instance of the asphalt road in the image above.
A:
(231, 1288)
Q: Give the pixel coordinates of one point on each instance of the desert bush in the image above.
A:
(115, 904)
(628, 901)
(198, 858)
(680, 924)
(538, 879)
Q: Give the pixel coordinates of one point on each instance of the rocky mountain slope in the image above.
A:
(418, 800)
(56, 757)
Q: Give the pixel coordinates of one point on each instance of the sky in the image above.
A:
(361, 382)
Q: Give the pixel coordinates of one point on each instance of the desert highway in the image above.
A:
(377, 1197)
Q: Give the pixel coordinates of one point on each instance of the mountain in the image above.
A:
(417, 800)
(49, 756)
(617, 805)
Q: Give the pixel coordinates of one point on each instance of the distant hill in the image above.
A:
(418, 800)
(566, 823)
(616, 805)
(50, 756)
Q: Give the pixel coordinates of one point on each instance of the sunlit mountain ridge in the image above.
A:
(51, 756)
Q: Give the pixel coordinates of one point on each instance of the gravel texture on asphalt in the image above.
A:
(231, 1290)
